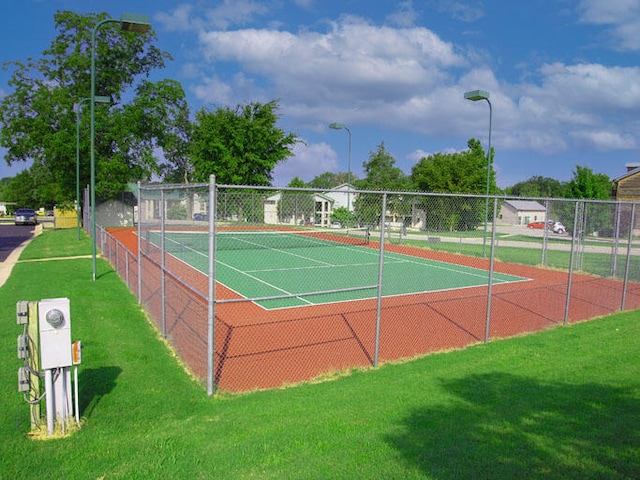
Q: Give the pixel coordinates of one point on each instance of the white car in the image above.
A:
(558, 227)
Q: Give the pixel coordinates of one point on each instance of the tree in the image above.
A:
(39, 117)
(380, 174)
(329, 180)
(461, 172)
(241, 146)
(537, 186)
(588, 185)
(159, 117)
(297, 182)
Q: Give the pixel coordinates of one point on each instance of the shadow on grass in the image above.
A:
(95, 383)
(504, 426)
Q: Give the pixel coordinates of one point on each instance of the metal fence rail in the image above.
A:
(260, 287)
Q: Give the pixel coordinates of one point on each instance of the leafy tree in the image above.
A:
(537, 186)
(159, 117)
(38, 117)
(380, 174)
(240, 146)
(588, 185)
(329, 180)
(22, 189)
(461, 172)
(297, 182)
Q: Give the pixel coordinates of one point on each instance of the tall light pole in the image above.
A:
(99, 99)
(129, 22)
(342, 126)
(474, 96)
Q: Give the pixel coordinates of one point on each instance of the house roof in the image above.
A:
(626, 175)
(528, 205)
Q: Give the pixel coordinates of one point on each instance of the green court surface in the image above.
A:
(282, 266)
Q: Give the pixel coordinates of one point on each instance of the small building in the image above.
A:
(522, 212)
(626, 188)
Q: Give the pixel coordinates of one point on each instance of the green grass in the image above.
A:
(561, 404)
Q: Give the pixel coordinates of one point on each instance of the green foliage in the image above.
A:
(39, 118)
(241, 146)
(297, 182)
(380, 174)
(461, 172)
(588, 185)
(329, 180)
(520, 398)
(342, 215)
(177, 211)
(537, 186)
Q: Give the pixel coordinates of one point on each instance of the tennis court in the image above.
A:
(280, 269)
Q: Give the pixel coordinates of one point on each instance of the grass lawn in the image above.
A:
(560, 404)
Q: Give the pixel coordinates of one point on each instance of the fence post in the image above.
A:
(577, 230)
(491, 265)
(628, 263)
(163, 293)
(380, 276)
(211, 301)
(139, 243)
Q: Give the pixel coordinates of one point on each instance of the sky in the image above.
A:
(563, 75)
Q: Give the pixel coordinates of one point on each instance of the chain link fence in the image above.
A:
(259, 287)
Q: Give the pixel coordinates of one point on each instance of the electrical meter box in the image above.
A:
(54, 320)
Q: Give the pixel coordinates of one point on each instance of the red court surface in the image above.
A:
(257, 348)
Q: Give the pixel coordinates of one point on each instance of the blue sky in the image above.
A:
(563, 75)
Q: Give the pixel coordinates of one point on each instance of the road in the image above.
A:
(13, 238)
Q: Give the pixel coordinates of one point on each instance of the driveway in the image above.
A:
(13, 239)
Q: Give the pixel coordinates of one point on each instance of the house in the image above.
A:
(522, 212)
(626, 188)
(300, 207)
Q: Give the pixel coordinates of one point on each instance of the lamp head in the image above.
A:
(337, 126)
(476, 95)
(133, 22)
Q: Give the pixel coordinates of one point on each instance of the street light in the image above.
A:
(342, 126)
(99, 99)
(129, 22)
(474, 96)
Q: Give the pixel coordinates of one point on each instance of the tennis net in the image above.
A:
(263, 239)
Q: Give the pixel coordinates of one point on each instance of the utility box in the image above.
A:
(54, 318)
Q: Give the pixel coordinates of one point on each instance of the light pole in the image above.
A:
(129, 22)
(98, 99)
(474, 96)
(342, 126)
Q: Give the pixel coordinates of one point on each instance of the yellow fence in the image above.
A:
(65, 218)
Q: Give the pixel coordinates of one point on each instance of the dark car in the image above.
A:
(25, 216)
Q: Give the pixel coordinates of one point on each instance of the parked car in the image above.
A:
(539, 225)
(558, 227)
(25, 216)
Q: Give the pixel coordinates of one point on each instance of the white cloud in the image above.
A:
(404, 16)
(227, 13)
(622, 16)
(308, 161)
(606, 140)
(464, 11)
